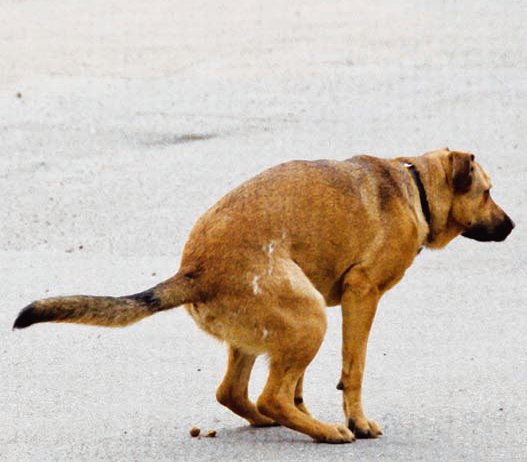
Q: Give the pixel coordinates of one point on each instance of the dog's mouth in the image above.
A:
(483, 234)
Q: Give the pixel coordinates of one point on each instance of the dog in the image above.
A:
(261, 266)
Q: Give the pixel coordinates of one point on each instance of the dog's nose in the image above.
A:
(504, 229)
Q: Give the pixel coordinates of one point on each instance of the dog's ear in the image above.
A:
(462, 170)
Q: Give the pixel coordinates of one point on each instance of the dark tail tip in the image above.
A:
(27, 317)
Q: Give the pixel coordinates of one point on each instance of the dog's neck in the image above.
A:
(434, 189)
(423, 198)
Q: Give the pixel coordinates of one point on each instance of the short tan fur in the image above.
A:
(261, 266)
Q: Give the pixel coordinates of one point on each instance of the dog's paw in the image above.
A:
(364, 428)
(336, 434)
(262, 422)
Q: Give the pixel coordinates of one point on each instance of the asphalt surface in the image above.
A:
(121, 122)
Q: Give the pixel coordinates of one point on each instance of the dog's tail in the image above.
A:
(110, 311)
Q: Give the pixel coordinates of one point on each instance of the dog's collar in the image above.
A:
(425, 207)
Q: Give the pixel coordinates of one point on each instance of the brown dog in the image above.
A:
(262, 264)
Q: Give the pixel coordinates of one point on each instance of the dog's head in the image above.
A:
(473, 208)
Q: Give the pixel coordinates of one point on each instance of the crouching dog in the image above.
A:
(261, 266)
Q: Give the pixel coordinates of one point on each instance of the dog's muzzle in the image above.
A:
(482, 233)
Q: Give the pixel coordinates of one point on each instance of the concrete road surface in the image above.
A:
(122, 121)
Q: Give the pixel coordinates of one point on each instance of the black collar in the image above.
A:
(422, 195)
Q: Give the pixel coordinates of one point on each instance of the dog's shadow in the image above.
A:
(267, 435)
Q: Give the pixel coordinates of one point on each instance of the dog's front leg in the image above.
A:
(359, 303)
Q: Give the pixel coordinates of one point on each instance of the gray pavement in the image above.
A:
(122, 121)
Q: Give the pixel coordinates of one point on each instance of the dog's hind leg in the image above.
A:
(233, 390)
(300, 310)
(277, 400)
